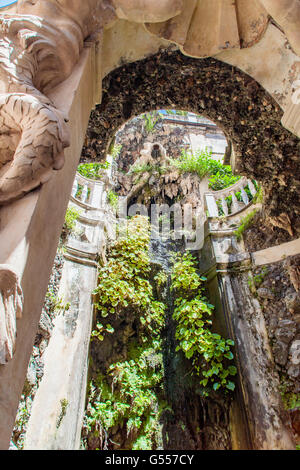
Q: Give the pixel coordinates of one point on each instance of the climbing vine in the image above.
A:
(209, 352)
(129, 394)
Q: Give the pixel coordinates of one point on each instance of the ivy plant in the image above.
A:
(209, 352)
(130, 393)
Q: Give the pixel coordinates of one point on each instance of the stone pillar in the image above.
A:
(30, 229)
(58, 408)
(266, 418)
(258, 379)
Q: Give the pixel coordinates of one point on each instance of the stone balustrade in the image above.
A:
(230, 201)
(86, 192)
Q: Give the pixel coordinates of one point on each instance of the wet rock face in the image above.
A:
(248, 115)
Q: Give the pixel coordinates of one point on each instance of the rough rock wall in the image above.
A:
(265, 151)
(280, 303)
(174, 138)
(132, 137)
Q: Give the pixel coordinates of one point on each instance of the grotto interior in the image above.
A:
(158, 168)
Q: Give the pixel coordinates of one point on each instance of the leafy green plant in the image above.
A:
(129, 395)
(260, 276)
(161, 278)
(21, 422)
(64, 405)
(259, 196)
(113, 199)
(151, 120)
(57, 303)
(123, 280)
(142, 168)
(100, 330)
(116, 150)
(189, 162)
(290, 400)
(93, 171)
(71, 217)
(202, 163)
(222, 179)
(129, 391)
(244, 224)
(209, 352)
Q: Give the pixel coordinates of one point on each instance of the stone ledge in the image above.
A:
(276, 253)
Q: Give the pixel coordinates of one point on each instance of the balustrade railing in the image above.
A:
(230, 200)
(91, 193)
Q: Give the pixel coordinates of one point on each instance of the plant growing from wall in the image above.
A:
(209, 352)
(72, 215)
(129, 394)
(244, 224)
(112, 199)
(93, 171)
(202, 163)
(127, 398)
(151, 119)
(116, 150)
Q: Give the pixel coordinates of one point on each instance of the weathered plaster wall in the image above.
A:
(271, 62)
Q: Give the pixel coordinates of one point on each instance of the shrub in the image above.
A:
(113, 199)
(202, 163)
(71, 216)
(92, 171)
(151, 120)
(129, 392)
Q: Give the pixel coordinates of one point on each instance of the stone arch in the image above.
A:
(241, 107)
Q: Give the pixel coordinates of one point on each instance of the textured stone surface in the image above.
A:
(205, 29)
(35, 130)
(282, 319)
(35, 369)
(243, 110)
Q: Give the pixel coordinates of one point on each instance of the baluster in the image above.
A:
(96, 198)
(75, 187)
(244, 197)
(224, 205)
(84, 193)
(252, 188)
(91, 187)
(235, 204)
(89, 193)
(212, 207)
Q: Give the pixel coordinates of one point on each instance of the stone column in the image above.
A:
(57, 413)
(258, 379)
